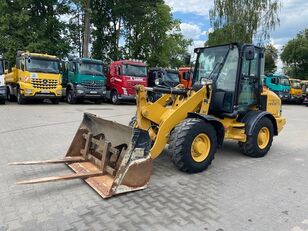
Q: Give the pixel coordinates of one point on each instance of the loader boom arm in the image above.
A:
(160, 119)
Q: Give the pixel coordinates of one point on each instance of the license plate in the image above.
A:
(93, 92)
(45, 91)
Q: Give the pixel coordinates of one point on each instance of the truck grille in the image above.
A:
(44, 83)
(92, 85)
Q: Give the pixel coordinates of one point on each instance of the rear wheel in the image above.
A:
(115, 97)
(20, 98)
(2, 100)
(260, 142)
(9, 97)
(71, 99)
(192, 145)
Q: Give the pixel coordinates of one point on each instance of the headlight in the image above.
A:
(80, 91)
(28, 91)
(157, 81)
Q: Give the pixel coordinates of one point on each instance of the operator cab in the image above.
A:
(235, 70)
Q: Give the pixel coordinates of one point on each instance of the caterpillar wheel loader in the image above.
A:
(225, 101)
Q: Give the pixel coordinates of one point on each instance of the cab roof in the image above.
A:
(38, 55)
(132, 62)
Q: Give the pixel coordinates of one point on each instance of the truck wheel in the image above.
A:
(20, 98)
(71, 99)
(9, 97)
(115, 97)
(55, 101)
(260, 142)
(2, 101)
(192, 145)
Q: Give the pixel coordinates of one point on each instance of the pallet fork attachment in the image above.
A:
(110, 157)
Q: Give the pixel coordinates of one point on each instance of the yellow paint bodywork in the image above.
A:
(30, 83)
(161, 117)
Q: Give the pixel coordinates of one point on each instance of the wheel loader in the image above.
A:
(225, 101)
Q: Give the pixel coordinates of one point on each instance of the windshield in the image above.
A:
(43, 65)
(284, 81)
(296, 84)
(1, 67)
(172, 77)
(87, 68)
(133, 70)
(209, 62)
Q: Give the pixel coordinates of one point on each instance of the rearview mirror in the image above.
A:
(250, 53)
(186, 76)
(187, 59)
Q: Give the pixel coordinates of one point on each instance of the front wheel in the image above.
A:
(71, 99)
(259, 143)
(115, 97)
(192, 145)
(20, 98)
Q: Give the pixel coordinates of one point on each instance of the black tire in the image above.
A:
(9, 97)
(132, 121)
(115, 97)
(71, 99)
(181, 140)
(2, 100)
(251, 147)
(20, 98)
(55, 101)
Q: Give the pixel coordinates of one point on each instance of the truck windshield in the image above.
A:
(172, 77)
(1, 67)
(134, 70)
(88, 68)
(209, 61)
(296, 84)
(43, 65)
(284, 81)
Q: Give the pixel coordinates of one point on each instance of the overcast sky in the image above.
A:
(195, 20)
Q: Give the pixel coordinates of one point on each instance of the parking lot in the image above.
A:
(235, 193)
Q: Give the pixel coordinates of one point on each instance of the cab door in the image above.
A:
(250, 84)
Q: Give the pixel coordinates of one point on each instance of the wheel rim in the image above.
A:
(114, 97)
(200, 147)
(263, 137)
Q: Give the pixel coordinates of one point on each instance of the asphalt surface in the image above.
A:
(235, 193)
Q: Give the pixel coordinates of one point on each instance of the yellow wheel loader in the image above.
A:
(225, 101)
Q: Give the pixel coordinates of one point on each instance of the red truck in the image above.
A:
(122, 76)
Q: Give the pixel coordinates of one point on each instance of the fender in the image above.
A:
(253, 117)
(212, 120)
(71, 86)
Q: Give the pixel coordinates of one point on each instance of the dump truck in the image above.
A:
(185, 75)
(122, 77)
(279, 84)
(2, 83)
(161, 77)
(296, 94)
(35, 76)
(226, 102)
(83, 79)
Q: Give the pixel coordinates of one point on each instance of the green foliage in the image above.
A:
(32, 25)
(242, 20)
(146, 29)
(295, 56)
(271, 56)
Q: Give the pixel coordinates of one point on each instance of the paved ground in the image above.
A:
(235, 193)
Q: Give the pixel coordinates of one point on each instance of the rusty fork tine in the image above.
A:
(56, 161)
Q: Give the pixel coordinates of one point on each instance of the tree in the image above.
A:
(295, 55)
(33, 25)
(271, 56)
(242, 20)
(146, 30)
